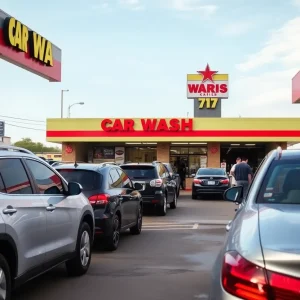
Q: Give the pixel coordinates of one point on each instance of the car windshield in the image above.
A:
(211, 172)
(138, 172)
(281, 183)
(89, 180)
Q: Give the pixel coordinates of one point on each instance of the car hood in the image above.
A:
(280, 237)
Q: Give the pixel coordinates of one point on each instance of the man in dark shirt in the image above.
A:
(243, 175)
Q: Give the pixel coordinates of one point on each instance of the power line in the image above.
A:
(22, 119)
(24, 127)
(19, 122)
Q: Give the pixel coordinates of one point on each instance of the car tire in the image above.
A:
(194, 197)
(5, 278)
(173, 204)
(79, 265)
(178, 192)
(111, 243)
(162, 209)
(137, 228)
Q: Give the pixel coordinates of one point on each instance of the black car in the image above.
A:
(116, 200)
(210, 181)
(159, 187)
(177, 179)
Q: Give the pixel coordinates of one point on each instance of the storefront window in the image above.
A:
(193, 157)
(103, 154)
(140, 154)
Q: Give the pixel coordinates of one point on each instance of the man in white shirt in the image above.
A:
(233, 181)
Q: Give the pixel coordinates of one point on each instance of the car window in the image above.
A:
(47, 181)
(126, 182)
(281, 183)
(164, 171)
(116, 181)
(140, 171)
(208, 171)
(89, 180)
(14, 177)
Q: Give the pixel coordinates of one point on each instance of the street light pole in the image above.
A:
(69, 109)
(62, 103)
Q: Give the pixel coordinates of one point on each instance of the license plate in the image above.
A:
(211, 183)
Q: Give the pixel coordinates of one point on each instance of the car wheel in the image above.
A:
(162, 210)
(194, 197)
(178, 192)
(5, 279)
(81, 262)
(137, 228)
(112, 241)
(173, 204)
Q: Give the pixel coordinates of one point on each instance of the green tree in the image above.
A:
(35, 147)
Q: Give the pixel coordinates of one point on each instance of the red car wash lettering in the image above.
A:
(127, 125)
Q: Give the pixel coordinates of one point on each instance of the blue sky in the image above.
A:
(129, 58)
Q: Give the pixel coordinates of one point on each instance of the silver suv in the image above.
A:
(44, 221)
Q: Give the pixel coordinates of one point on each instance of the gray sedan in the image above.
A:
(260, 258)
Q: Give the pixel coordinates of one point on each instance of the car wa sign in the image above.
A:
(208, 87)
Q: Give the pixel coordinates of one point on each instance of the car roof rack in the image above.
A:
(15, 149)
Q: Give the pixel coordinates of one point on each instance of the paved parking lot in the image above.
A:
(171, 259)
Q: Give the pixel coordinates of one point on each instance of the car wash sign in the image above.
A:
(28, 49)
(207, 87)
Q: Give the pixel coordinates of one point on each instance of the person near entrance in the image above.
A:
(182, 173)
(233, 181)
(243, 175)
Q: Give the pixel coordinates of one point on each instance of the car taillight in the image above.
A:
(225, 181)
(248, 281)
(198, 181)
(99, 199)
(156, 183)
(244, 279)
(284, 287)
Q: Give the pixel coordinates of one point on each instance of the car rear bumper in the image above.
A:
(209, 189)
(156, 199)
(103, 224)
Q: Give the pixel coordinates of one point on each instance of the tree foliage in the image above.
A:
(35, 147)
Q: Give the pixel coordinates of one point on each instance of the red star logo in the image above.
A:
(207, 74)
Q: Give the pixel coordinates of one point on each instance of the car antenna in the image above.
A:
(75, 165)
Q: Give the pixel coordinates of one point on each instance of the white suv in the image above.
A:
(44, 220)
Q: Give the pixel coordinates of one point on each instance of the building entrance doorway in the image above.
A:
(255, 152)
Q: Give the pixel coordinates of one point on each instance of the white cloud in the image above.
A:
(283, 47)
(131, 4)
(296, 3)
(193, 5)
(265, 95)
(236, 28)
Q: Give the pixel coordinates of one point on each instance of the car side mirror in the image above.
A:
(74, 188)
(137, 186)
(234, 194)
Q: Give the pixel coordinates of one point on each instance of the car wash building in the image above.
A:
(207, 140)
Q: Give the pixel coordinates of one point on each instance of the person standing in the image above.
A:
(182, 174)
(233, 181)
(243, 175)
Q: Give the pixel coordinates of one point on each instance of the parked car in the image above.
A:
(116, 201)
(209, 181)
(177, 177)
(260, 257)
(44, 221)
(158, 186)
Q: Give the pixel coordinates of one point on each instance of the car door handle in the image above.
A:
(131, 197)
(228, 226)
(50, 208)
(9, 210)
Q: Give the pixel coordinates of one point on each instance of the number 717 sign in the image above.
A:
(208, 87)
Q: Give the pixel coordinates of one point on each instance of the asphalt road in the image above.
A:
(171, 259)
